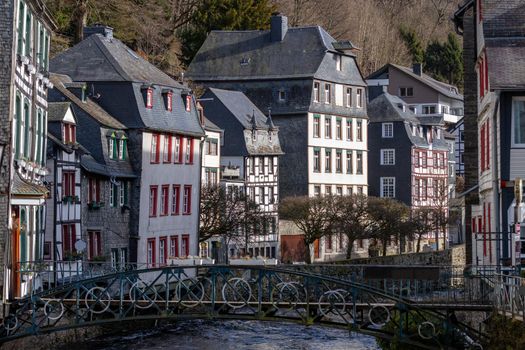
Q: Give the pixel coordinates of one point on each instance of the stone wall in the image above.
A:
(453, 256)
(6, 84)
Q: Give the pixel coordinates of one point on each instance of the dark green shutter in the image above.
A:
(28, 33)
(26, 129)
(125, 184)
(18, 111)
(124, 149)
(116, 196)
(20, 28)
(115, 148)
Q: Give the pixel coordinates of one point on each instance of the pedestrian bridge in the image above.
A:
(420, 312)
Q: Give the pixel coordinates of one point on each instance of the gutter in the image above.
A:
(495, 176)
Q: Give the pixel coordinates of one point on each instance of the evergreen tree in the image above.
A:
(413, 44)
(445, 60)
(223, 15)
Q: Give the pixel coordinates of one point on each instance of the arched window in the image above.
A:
(28, 34)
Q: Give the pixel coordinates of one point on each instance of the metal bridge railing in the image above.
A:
(509, 292)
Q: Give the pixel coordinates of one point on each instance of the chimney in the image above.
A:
(417, 68)
(278, 26)
(98, 29)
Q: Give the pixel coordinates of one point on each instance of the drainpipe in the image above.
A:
(495, 182)
(53, 240)
(201, 146)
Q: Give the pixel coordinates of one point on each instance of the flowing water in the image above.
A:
(230, 335)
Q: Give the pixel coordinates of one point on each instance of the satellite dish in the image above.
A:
(80, 245)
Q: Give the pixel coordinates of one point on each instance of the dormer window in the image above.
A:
(169, 101)
(69, 133)
(316, 91)
(149, 98)
(327, 93)
(113, 147)
(338, 62)
(123, 148)
(254, 135)
(188, 103)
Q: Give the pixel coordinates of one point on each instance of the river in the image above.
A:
(230, 335)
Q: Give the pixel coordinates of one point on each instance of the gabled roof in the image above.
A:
(251, 55)
(101, 58)
(241, 108)
(445, 89)
(60, 81)
(56, 111)
(386, 108)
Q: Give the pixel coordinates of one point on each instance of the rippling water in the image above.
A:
(226, 335)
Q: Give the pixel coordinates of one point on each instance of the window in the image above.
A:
(18, 117)
(388, 130)
(93, 190)
(261, 165)
(317, 160)
(69, 237)
(338, 62)
(113, 193)
(151, 252)
(212, 147)
(94, 244)
(175, 200)
(484, 146)
(149, 98)
(155, 148)
(388, 156)
(338, 129)
(69, 133)
(271, 195)
(339, 190)
(210, 176)
(270, 165)
(163, 251)
(359, 189)
(189, 151)
(187, 200)
(29, 30)
(188, 103)
(316, 92)
(282, 95)
(518, 121)
(349, 190)
(349, 163)
(359, 162)
(26, 127)
(153, 200)
(349, 131)
(123, 193)
(338, 161)
(359, 130)
(328, 190)
(169, 101)
(112, 147)
(327, 93)
(123, 148)
(429, 109)
(164, 200)
(185, 245)
(174, 246)
(328, 161)
(177, 156)
(261, 195)
(68, 183)
(317, 126)
(348, 97)
(328, 127)
(317, 191)
(166, 155)
(412, 109)
(20, 45)
(359, 98)
(388, 187)
(406, 91)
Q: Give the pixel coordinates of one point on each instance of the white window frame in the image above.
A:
(327, 93)
(317, 94)
(282, 95)
(338, 62)
(348, 96)
(387, 130)
(514, 144)
(359, 98)
(388, 156)
(383, 184)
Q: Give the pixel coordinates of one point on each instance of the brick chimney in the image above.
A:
(278, 26)
(98, 29)
(417, 68)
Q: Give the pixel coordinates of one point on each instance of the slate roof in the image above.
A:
(234, 113)
(23, 188)
(251, 55)
(506, 61)
(99, 58)
(60, 82)
(503, 18)
(441, 87)
(385, 108)
(210, 126)
(56, 111)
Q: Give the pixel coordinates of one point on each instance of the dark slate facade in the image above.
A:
(276, 70)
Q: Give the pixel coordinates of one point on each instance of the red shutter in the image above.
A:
(191, 150)
(97, 190)
(73, 236)
(487, 141)
(90, 245)
(99, 243)
(486, 71)
(66, 243)
(188, 103)
(482, 147)
(170, 99)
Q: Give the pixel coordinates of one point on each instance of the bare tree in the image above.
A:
(421, 224)
(351, 219)
(311, 215)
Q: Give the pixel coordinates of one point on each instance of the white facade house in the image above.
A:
(211, 157)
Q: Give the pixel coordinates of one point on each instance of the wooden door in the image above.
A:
(316, 249)
(15, 254)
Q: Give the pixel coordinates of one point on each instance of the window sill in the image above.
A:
(153, 216)
(174, 214)
(186, 213)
